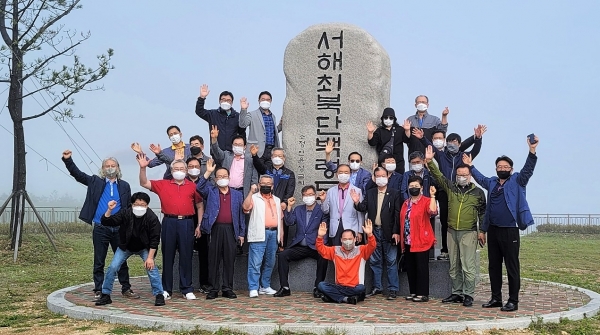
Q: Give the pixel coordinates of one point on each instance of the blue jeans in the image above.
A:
(120, 257)
(384, 250)
(102, 238)
(337, 292)
(261, 261)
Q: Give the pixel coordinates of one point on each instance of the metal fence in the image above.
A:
(68, 216)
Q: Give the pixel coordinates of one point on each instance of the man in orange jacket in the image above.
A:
(349, 261)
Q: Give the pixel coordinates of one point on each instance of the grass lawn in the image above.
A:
(24, 285)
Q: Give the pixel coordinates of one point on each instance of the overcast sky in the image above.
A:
(518, 67)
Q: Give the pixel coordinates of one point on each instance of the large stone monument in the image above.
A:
(337, 79)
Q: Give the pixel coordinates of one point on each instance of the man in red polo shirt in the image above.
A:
(178, 197)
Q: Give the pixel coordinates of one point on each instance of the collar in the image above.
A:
(263, 112)
(237, 158)
(267, 196)
(181, 145)
(108, 181)
(343, 188)
(231, 111)
(418, 199)
(173, 181)
(424, 115)
(384, 191)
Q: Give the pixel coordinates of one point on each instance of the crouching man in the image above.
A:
(139, 234)
(349, 261)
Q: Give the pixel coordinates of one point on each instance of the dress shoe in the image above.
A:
(492, 303)
(410, 297)
(361, 297)
(316, 293)
(510, 307)
(352, 300)
(104, 300)
(283, 292)
(159, 300)
(212, 295)
(392, 295)
(326, 298)
(468, 301)
(420, 298)
(453, 298)
(375, 291)
(229, 294)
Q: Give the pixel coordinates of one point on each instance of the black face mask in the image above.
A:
(503, 174)
(265, 189)
(195, 150)
(414, 191)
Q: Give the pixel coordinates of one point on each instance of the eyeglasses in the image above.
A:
(227, 100)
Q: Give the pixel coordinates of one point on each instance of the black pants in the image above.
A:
(201, 245)
(504, 245)
(177, 236)
(442, 198)
(337, 239)
(221, 249)
(297, 253)
(417, 271)
(102, 237)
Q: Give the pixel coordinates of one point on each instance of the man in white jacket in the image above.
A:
(264, 235)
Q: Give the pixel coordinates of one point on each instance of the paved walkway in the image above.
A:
(301, 312)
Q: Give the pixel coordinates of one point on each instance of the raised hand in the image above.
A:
(467, 159)
(142, 160)
(204, 91)
(67, 154)
(179, 155)
(111, 205)
(429, 153)
(371, 127)
(253, 149)
(291, 202)
(406, 124)
(368, 227)
(244, 104)
(482, 129)
(445, 112)
(355, 196)
(155, 148)
(534, 145)
(210, 165)
(254, 188)
(329, 147)
(135, 146)
(322, 229)
(322, 195)
(418, 133)
(214, 132)
(432, 190)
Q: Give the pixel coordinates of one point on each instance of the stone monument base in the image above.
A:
(302, 276)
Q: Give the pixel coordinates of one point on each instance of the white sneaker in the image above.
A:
(167, 295)
(268, 291)
(190, 296)
(253, 293)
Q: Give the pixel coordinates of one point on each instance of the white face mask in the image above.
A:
(265, 105)
(110, 172)
(381, 181)
(309, 200)
(343, 178)
(390, 167)
(388, 122)
(138, 211)
(194, 172)
(417, 167)
(175, 139)
(178, 175)
(354, 166)
(222, 182)
(462, 181)
(348, 244)
(225, 106)
(421, 107)
(438, 144)
(277, 161)
(237, 150)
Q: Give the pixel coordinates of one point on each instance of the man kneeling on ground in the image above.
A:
(139, 234)
(349, 261)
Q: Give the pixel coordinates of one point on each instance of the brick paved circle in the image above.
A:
(301, 312)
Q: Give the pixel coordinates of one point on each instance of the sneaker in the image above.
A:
(160, 300)
(443, 257)
(352, 300)
(253, 293)
(97, 295)
(130, 295)
(316, 293)
(204, 289)
(104, 300)
(392, 295)
(267, 291)
(190, 296)
(410, 297)
(166, 295)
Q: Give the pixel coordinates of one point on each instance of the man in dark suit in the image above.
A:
(308, 217)
(382, 205)
(284, 179)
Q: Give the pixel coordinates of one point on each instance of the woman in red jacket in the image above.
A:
(417, 237)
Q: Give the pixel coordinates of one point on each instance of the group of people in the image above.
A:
(244, 194)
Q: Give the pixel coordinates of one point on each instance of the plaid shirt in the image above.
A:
(269, 128)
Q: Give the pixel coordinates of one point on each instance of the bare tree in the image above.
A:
(39, 53)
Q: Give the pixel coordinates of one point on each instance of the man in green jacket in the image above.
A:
(466, 207)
